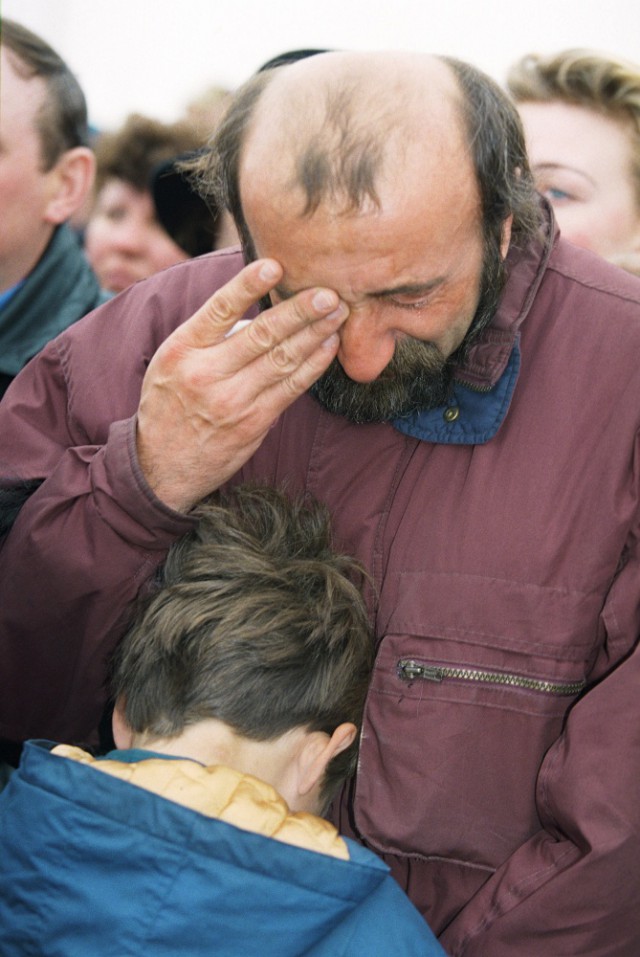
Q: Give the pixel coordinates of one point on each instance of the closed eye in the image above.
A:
(411, 296)
(401, 303)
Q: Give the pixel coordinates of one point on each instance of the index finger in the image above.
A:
(217, 316)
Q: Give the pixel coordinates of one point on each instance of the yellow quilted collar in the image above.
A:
(222, 793)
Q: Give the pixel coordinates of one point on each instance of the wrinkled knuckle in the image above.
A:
(281, 358)
(261, 336)
(222, 308)
(292, 387)
(300, 308)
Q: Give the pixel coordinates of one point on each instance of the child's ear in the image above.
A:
(122, 733)
(318, 750)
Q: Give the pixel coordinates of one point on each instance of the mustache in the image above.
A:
(418, 373)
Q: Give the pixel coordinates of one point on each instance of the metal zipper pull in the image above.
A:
(409, 670)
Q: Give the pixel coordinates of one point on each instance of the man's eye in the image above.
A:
(401, 303)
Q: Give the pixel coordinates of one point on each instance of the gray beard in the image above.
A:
(418, 377)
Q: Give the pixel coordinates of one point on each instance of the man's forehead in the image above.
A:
(360, 90)
(341, 148)
(12, 61)
(19, 79)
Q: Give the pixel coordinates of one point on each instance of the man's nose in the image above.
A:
(366, 346)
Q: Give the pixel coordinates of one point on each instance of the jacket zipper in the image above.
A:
(409, 670)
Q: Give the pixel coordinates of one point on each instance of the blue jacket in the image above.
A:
(91, 864)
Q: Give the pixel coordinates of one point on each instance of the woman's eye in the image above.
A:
(556, 195)
(115, 214)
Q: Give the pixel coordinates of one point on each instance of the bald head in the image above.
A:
(335, 129)
(330, 128)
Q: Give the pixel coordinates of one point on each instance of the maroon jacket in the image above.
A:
(500, 761)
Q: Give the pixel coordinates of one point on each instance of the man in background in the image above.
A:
(46, 172)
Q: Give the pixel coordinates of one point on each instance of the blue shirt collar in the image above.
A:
(472, 416)
(10, 293)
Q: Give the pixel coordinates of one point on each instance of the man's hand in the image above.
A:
(209, 398)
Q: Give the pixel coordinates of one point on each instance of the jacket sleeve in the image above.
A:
(93, 533)
(574, 887)
(79, 551)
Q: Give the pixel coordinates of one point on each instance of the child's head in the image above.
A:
(259, 625)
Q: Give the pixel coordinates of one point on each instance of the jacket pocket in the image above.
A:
(457, 723)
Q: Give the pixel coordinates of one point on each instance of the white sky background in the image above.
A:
(154, 56)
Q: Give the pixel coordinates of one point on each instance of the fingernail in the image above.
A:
(269, 271)
(340, 312)
(324, 299)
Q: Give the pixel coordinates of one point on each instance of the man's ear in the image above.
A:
(317, 751)
(122, 733)
(71, 181)
(505, 238)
